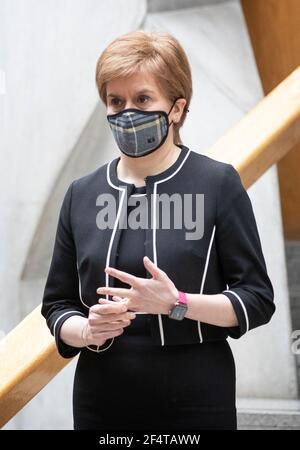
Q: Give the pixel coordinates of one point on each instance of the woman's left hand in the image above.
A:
(154, 295)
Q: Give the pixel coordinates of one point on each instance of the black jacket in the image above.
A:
(227, 259)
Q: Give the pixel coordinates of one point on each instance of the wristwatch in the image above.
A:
(178, 311)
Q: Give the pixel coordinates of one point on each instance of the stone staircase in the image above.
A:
(261, 414)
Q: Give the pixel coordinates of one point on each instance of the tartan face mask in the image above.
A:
(138, 133)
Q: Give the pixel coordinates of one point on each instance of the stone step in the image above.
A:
(292, 253)
(271, 414)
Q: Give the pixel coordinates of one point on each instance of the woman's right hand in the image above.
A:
(106, 320)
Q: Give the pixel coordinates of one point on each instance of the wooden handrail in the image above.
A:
(29, 359)
(264, 135)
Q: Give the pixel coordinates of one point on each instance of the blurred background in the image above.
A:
(53, 129)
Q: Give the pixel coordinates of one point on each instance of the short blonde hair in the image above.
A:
(158, 53)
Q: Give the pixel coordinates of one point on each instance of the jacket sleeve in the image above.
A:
(61, 293)
(242, 263)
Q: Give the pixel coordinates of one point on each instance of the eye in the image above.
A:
(143, 99)
(115, 101)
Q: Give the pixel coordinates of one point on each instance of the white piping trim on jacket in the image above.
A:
(108, 177)
(68, 312)
(161, 330)
(110, 245)
(112, 237)
(108, 258)
(154, 233)
(117, 187)
(204, 276)
(243, 307)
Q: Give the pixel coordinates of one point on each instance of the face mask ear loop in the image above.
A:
(173, 104)
(172, 108)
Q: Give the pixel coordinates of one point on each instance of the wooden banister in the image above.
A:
(29, 360)
(28, 355)
(264, 135)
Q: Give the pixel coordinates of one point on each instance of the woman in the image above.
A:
(154, 352)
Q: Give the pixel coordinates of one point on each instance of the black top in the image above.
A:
(130, 253)
(225, 256)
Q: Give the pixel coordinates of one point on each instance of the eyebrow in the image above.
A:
(142, 91)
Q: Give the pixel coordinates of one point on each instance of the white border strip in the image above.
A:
(243, 307)
(108, 177)
(67, 312)
(161, 329)
(204, 276)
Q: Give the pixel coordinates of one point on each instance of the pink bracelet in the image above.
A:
(182, 297)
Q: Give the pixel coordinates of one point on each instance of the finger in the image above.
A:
(116, 298)
(152, 268)
(103, 301)
(113, 291)
(129, 303)
(97, 340)
(123, 276)
(107, 318)
(109, 308)
(121, 300)
(124, 301)
(95, 329)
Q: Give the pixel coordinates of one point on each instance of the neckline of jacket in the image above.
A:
(116, 182)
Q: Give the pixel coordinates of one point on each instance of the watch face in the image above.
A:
(178, 312)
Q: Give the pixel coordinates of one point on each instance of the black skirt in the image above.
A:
(137, 385)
